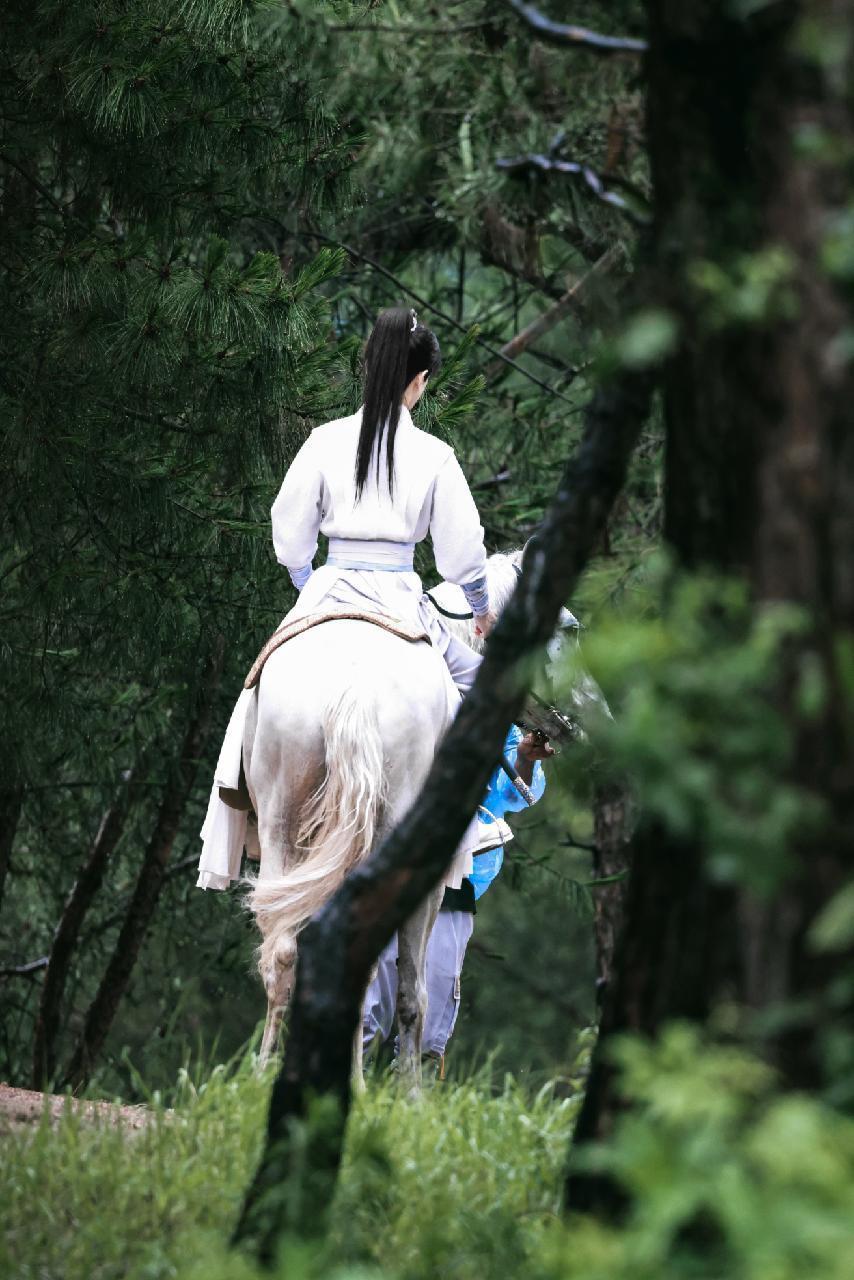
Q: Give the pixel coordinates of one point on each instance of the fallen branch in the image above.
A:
(563, 34)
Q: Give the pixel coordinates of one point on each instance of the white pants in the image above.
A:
(446, 950)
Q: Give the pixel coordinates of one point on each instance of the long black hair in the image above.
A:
(398, 349)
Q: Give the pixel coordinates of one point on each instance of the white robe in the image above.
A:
(318, 495)
(430, 495)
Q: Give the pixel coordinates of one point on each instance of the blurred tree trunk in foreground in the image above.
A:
(750, 135)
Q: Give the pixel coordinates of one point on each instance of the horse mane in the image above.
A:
(501, 577)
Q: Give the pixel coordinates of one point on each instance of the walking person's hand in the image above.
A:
(534, 747)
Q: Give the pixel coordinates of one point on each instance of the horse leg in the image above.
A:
(277, 954)
(278, 951)
(412, 987)
(277, 974)
(358, 1079)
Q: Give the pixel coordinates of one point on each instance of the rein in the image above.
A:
(446, 613)
(461, 617)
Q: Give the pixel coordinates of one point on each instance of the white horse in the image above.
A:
(337, 745)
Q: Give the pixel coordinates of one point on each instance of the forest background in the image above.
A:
(178, 316)
(634, 237)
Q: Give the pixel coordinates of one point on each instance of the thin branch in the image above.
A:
(428, 306)
(83, 892)
(554, 315)
(35, 184)
(25, 970)
(543, 993)
(537, 161)
(569, 842)
(11, 806)
(563, 34)
(502, 477)
(410, 29)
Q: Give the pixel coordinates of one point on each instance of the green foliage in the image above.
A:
(647, 338)
(728, 1179)
(176, 182)
(753, 289)
(690, 670)
(833, 930)
(424, 1186)
(88, 1198)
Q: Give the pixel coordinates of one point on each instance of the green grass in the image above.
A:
(89, 1200)
(728, 1179)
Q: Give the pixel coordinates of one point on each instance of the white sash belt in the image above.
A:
(356, 553)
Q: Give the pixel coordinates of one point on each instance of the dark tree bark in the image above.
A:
(340, 945)
(612, 819)
(114, 983)
(11, 803)
(760, 483)
(65, 938)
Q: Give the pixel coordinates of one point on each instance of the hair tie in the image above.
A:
(414, 315)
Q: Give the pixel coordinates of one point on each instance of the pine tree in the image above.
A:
(158, 371)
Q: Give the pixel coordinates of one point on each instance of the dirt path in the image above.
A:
(20, 1107)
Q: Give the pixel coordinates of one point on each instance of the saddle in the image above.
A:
(289, 630)
(238, 797)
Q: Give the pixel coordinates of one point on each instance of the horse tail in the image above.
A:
(337, 826)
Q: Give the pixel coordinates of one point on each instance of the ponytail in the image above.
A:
(398, 349)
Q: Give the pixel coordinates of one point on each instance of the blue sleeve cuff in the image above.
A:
(506, 795)
(299, 577)
(477, 594)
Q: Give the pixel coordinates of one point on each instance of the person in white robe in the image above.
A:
(374, 484)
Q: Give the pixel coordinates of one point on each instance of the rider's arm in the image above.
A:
(477, 595)
(458, 535)
(297, 513)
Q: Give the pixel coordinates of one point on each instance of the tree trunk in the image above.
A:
(79, 900)
(11, 804)
(340, 945)
(759, 482)
(114, 983)
(612, 818)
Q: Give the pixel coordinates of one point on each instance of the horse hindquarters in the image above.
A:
(349, 717)
(335, 824)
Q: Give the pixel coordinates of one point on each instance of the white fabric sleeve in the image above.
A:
(298, 510)
(455, 527)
